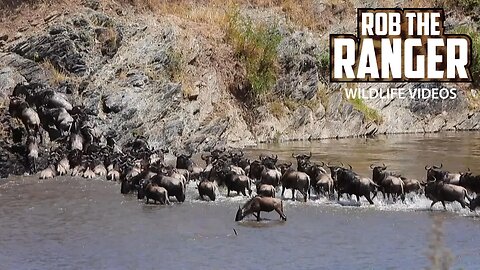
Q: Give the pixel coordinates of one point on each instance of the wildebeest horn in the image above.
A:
(290, 165)
(294, 156)
(427, 167)
(468, 169)
(323, 164)
(309, 156)
(350, 166)
(436, 167)
(241, 153)
(276, 157)
(384, 166)
(371, 166)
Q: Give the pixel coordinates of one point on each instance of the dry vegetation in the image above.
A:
(56, 76)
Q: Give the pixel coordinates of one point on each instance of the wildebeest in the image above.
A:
(266, 190)
(351, 183)
(207, 188)
(238, 183)
(470, 182)
(439, 191)
(323, 182)
(184, 161)
(475, 203)
(296, 180)
(174, 186)
(63, 166)
(32, 153)
(48, 172)
(29, 117)
(258, 204)
(412, 185)
(303, 161)
(389, 182)
(270, 176)
(436, 173)
(154, 192)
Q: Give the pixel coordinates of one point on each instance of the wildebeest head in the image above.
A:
(239, 160)
(269, 161)
(284, 167)
(378, 173)
(303, 161)
(431, 188)
(435, 173)
(256, 169)
(217, 153)
(184, 161)
(239, 216)
(17, 105)
(334, 170)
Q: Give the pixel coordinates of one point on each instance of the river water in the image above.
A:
(72, 223)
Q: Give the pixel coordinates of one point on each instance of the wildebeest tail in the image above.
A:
(308, 185)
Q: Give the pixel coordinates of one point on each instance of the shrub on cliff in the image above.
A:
(256, 46)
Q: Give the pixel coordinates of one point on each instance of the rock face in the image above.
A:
(170, 80)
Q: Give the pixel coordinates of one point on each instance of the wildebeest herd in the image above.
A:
(81, 150)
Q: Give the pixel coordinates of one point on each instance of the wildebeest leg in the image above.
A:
(369, 199)
(283, 190)
(293, 194)
(358, 198)
(147, 201)
(444, 207)
(304, 196)
(462, 202)
(433, 202)
(228, 192)
(258, 216)
(280, 212)
(243, 192)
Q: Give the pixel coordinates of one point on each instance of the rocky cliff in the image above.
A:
(186, 77)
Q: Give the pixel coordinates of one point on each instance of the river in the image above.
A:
(73, 223)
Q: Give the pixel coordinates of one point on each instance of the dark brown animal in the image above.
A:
(260, 204)
(154, 192)
(266, 190)
(207, 188)
(296, 180)
(439, 191)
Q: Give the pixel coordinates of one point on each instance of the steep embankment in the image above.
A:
(206, 76)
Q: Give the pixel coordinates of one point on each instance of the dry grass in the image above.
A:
(277, 109)
(473, 99)
(56, 76)
(315, 16)
(322, 94)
